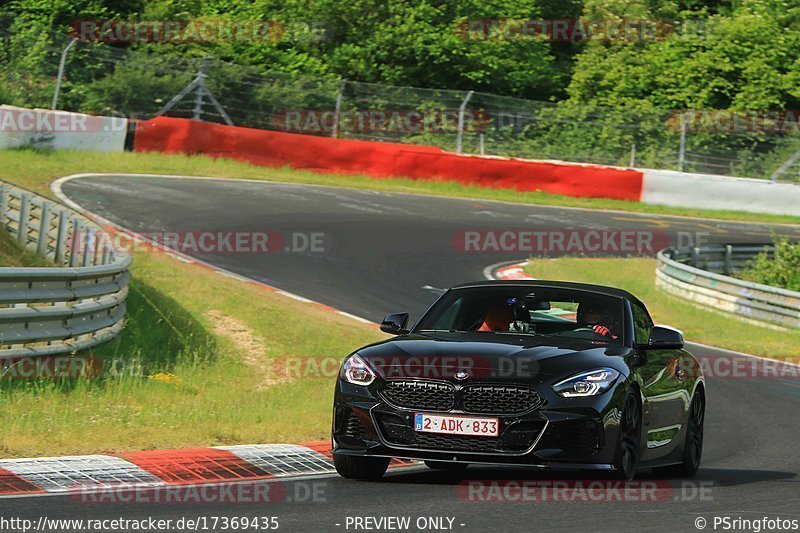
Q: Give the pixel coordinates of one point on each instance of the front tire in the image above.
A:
(629, 445)
(357, 467)
(693, 445)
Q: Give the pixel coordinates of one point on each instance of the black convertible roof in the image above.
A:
(599, 289)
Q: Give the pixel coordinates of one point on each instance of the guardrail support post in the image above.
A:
(24, 218)
(61, 238)
(44, 229)
(3, 205)
(695, 256)
(727, 266)
(75, 248)
(88, 247)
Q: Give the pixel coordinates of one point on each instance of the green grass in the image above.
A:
(637, 275)
(40, 167)
(177, 377)
(12, 254)
(201, 362)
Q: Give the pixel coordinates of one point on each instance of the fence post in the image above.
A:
(198, 84)
(483, 145)
(633, 155)
(61, 65)
(24, 217)
(61, 238)
(338, 111)
(682, 148)
(44, 229)
(197, 112)
(461, 110)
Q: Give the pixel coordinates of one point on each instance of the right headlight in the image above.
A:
(587, 383)
(355, 370)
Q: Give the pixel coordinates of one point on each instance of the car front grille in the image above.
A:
(498, 399)
(444, 396)
(437, 396)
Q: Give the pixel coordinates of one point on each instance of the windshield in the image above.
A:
(528, 311)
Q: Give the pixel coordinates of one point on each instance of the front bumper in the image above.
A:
(577, 432)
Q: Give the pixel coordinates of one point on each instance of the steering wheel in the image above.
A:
(585, 332)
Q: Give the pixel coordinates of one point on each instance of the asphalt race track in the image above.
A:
(387, 252)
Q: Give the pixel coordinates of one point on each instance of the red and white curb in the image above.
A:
(161, 468)
(507, 272)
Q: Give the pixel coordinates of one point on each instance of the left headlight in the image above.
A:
(355, 370)
(587, 383)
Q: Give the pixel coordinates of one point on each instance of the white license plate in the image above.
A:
(457, 425)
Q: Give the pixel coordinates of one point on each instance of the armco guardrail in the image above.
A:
(697, 274)
(59, 309)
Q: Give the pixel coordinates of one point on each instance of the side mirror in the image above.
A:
(395, 323)
(663, 338)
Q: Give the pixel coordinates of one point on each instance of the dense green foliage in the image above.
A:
(781, 269)
(741, 54)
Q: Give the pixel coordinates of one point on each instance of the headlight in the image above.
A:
(587, 383)
(355, 370)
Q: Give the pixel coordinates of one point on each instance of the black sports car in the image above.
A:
(544, 373)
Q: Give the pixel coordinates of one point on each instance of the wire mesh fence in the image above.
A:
(148, 80)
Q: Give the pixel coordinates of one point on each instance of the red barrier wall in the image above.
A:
(376, 159)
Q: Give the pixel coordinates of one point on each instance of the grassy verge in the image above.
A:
(204, 360)
(41, 167)
(14, 255)
(699, 325)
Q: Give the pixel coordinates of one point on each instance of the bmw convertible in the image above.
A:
(538, 373)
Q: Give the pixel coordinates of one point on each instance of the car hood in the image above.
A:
(490, 357)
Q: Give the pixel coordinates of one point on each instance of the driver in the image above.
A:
(498, 316)
(597, 319)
